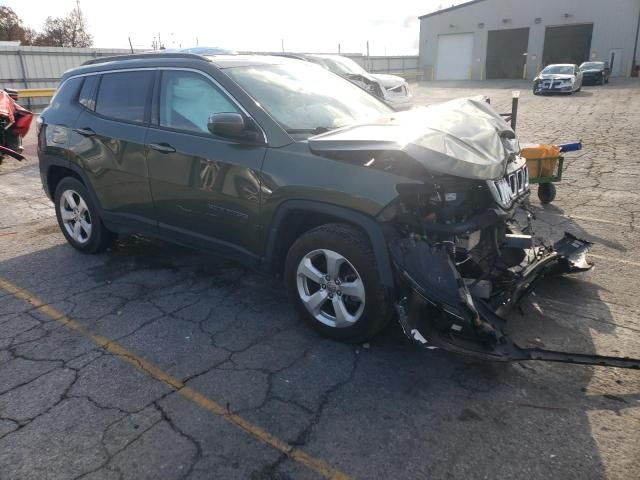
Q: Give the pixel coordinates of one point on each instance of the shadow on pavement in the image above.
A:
(387, 409)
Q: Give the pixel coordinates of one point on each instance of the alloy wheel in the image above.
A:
(75, 216)
(330, 288)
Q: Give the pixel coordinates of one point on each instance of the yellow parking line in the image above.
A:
(319, 466)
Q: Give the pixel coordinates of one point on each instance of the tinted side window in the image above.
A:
(124, 95)
(87, 93)
(187, 99)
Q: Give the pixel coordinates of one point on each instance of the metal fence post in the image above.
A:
(24, 75)
(515, 95)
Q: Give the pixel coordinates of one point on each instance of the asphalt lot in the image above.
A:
(153, 361)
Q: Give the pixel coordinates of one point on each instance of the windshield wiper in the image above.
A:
(313, 131)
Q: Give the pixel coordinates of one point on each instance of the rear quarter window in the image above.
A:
(87, 92)
(124, 96)
(66, 94)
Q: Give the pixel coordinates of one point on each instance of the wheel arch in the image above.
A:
(54, 170)
(55, 174)
(295, 217)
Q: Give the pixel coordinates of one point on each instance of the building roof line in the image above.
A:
(444, 10)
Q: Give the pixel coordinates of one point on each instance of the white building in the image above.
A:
(516, 38)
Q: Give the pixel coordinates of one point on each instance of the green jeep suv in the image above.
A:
(279, 164)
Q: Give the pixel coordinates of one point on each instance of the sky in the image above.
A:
(392, 28)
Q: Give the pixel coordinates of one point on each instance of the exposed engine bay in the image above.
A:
(465, 260)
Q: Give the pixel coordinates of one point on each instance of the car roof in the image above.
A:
(156, 59)
(248, 60)
(561, 65)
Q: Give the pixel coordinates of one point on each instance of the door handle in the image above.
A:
(85, 132)
(162, 147)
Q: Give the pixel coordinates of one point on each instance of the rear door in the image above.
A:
(108, 144)
(206, 189)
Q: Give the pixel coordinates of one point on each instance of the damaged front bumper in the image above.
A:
(440, 309)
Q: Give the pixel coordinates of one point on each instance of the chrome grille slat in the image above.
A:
(506, 190)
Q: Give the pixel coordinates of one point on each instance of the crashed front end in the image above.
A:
(459, 231)
(465, 254)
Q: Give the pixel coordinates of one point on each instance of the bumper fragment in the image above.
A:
(438, 310)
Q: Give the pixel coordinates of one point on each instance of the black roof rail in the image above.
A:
(138, 56)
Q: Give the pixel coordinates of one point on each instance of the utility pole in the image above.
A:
(79, 13)
(282, 44)
(368, 59)
(130, 44)
(634, 63)
(338, 49)
(79, 27)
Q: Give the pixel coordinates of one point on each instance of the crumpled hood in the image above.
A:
(388, 81)
(465, 137)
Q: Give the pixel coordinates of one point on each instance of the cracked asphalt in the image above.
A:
(152, 361)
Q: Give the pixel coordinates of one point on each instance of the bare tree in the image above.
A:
(12, 28)
(69, 31)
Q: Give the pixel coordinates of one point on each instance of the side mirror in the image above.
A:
(227, 124)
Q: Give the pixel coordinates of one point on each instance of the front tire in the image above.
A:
(546, 192)
(331, 275)
(78, 217)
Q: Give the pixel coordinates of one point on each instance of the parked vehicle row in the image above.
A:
(569, 78)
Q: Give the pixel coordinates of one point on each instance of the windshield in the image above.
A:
(592, 66)
(342, 65)
(304, 97)
(558, 69)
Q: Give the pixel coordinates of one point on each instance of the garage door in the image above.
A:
(567, 44)
(505, 52)
(454, 56)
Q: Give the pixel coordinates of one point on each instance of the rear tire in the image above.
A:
(78, 217)
(319, 265)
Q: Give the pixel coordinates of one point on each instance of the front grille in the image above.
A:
(551, 84)
(508, 189)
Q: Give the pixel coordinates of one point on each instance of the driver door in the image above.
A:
(206, 189)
